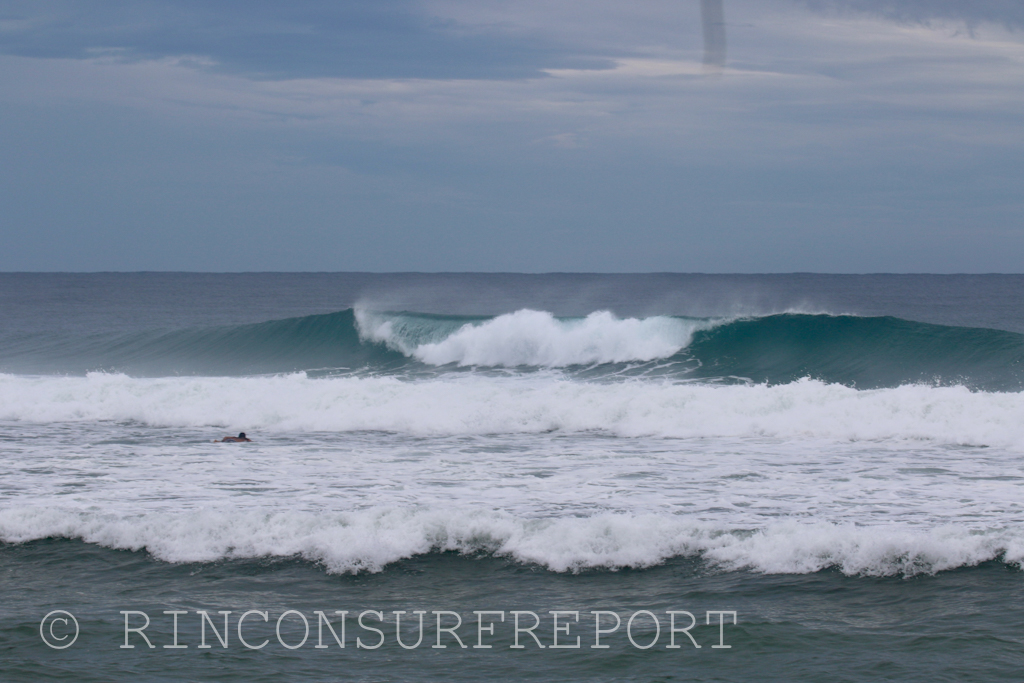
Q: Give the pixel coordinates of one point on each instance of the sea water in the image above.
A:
(809, 477)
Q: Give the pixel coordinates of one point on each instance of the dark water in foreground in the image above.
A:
(962, 625)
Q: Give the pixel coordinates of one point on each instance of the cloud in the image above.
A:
(424, 39)
(860, 73)
(300, 39)
(540, 134)
(1008, 13)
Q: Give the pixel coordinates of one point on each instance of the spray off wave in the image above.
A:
(537, 338)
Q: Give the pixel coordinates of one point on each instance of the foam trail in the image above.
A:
(537, 338)
(537, 403)
(369, 540)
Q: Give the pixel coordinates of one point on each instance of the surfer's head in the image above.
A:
(241, 435)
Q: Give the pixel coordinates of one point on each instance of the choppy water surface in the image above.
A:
(785, 447)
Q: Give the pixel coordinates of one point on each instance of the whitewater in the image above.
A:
(785, 441)
(525, 404)
(534, 338)
(358, 472)
(837, 459)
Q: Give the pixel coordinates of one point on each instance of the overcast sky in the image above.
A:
(537, 135)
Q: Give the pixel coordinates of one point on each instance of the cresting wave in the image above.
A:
(369, 540)
(535, 338)
(535, 403)
(865, 352)
(775, 349)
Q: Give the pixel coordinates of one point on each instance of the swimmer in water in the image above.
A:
(234, 439)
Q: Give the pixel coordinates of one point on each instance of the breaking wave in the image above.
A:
(369, 540)
(850, 350)
(535, 403)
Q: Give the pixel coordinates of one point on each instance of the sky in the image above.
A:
(531, 136)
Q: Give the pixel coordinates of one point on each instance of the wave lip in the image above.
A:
(539, 339)
(370, 540)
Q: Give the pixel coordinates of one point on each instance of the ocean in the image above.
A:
(462, 477)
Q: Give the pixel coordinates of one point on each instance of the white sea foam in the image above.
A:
(371, 539)
(788, 478)
(533, 404)
(537, 338)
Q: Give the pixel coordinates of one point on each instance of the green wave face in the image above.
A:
(862, 352)
(293, 344)
(856, 351)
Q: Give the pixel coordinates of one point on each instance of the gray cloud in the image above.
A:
(399, 38)
(1009, 13)
(263, 38)
(829, 145)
